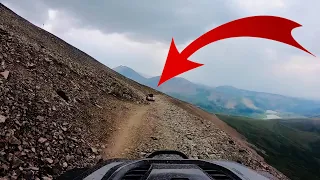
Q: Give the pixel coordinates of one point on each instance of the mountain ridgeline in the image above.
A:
(228, 99)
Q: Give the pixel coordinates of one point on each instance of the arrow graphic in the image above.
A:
(268, 27)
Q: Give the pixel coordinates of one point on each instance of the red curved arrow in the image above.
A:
(268, 27)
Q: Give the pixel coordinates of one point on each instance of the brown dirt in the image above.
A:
(127, 133)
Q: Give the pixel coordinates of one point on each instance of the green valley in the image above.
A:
(290, 145)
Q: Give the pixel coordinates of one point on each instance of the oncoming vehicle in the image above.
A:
(166, 165)
(150, 97)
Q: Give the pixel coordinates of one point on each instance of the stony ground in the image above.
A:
(57, 104)
(165, 125)
(61, 109)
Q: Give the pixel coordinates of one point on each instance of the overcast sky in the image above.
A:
(138, 34)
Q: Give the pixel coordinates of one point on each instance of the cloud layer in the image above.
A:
(138, 34)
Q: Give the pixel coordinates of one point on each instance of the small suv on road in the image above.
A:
(150, 97)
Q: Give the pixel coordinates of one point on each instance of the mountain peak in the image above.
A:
(130, 73)
(121, 67)
(226, 87)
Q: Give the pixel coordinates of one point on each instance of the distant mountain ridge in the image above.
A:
(228, 99)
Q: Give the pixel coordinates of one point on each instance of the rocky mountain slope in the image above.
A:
(61, 109)
(55, 99)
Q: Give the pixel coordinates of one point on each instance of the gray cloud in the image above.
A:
(34, 10)
(146, 20)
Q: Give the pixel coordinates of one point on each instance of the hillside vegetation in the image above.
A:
(292, 146)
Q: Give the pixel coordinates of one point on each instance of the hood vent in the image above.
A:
(215, 173)
(137, 173)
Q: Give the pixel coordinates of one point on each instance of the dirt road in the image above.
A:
(166, 125)
(127, 134)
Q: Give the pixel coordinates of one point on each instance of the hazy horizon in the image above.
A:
(140, 73)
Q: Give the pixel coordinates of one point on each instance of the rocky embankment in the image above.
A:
(57, 104)
(178, 128)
